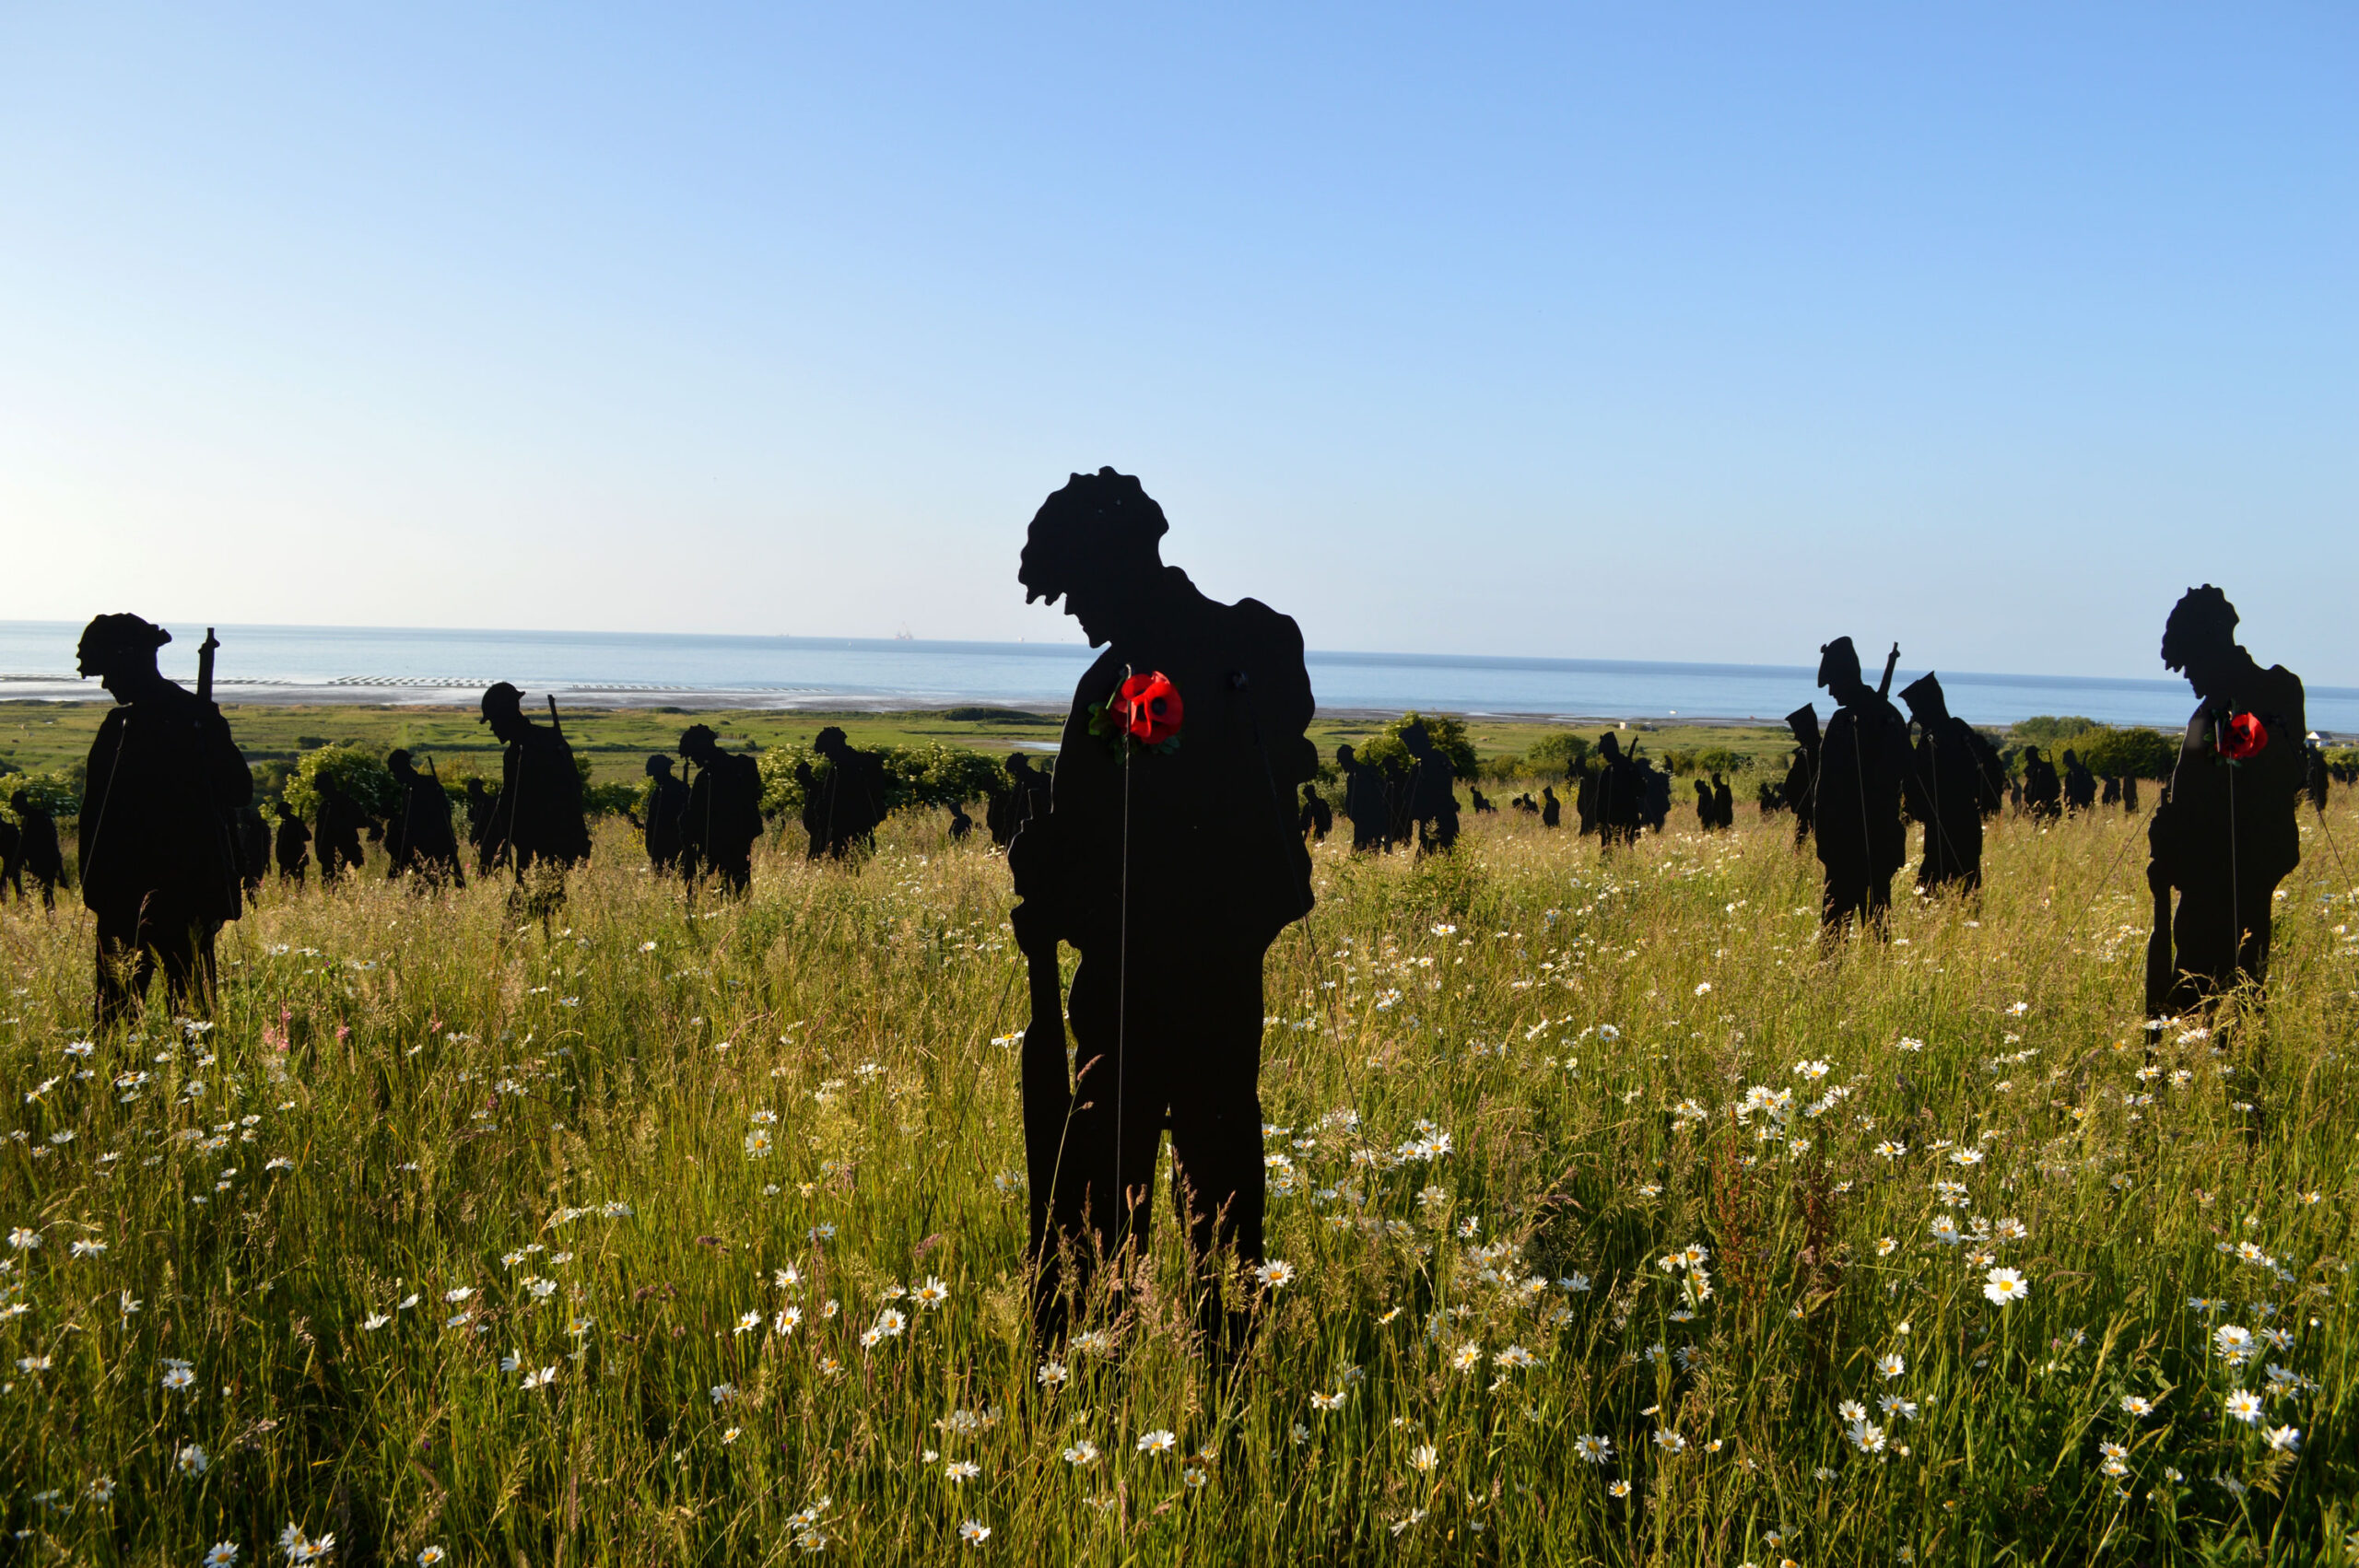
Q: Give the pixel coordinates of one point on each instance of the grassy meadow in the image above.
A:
(1621, 1225)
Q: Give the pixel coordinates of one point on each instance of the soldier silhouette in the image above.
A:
(253, 850)
(1171, 861)
(1552, 810)
(1944, 789)
(843, 807)
(2109, 792)
(428, 843)
(2042, 791)
(2079, 785)
(668, 802)
(1802, 776)
(1433, 792)
(2314, 782)
(1483, 806)
(158, 824)
(724, 813)
(341, 822)
(41, 856)
(293, 845)
(12, 860)
(1621, 805)
(2129, 793)
(1707, 816)
(481, 802)
(1364, 801)
(1855, 816)
(2225, 833)
(961, 823)
(536, 819)
(1317, 816)
(1723, 801)
(1027, 795)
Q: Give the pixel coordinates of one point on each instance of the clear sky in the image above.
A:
(1690, 331)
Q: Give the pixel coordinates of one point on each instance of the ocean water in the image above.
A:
(618, 669)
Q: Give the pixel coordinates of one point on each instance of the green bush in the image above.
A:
(2140, 753)
(360, 773)
(1385, 750)
(1557, 755)
(58, 791)
(934, 774)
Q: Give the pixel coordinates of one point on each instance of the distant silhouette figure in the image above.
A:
(1483, 806)
(39, 854)
(1802, 776)
(536, 819)
(1318, 817)
(1621, 806)
(1363, 802)
(158, 824)
(482, 803)
(1171, 860)
(2225, 833)
(253, 850)
(961, 823)
(12, 860)
(1433, 791)
(1399, 801)
(2043, 791)
(1707, 816)
(2079, 785)
(1723, 801)
(843, 807)
(667, 803)
(1943, 790)
(428, 845)
(293, 847)
(1654, 792)
(1552, 810)
(724, 814)
(340, 822)
(1027, 796)
(1862, 761)
(2315, 780)
(2129, 793)
(2109, 790)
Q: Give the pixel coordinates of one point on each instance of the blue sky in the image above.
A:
(1700, 331)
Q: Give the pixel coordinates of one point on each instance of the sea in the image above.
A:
(428, 666)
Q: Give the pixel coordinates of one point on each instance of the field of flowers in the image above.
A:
(1613, 1222)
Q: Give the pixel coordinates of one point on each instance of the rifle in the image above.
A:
(204, 665)
(560, 727)
(1890, 661)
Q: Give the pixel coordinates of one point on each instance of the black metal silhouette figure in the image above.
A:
(2225, 832)
(1723, 801)
(724, 814)
(2043, 791)
(1483, 806)
(2129, 793)
(1027, 796)
(341, 822)
(158, 824)
(12, 860)
(426, 843)
(1172, 864)
(1802, 776)
(961, 823)
(1318, 817)
(1552, 810)
(1433, 791)
(843, 807)
(292, 847)
(39, 854)
(2315, 780)
(1944, 789)
(536, 818)
(481, 805)
(1621, 791)
(2079, 785)
(1856, 814)
(1365, 805)
(667, 803)
(2109, 790)
(254, 850)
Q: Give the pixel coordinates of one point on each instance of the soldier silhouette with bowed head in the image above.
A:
(724, 813)
(1707, 816)
(1171, 860)
(2043, 791)
(39, 854)
(1862, 763)
(340, 824)
(1621, 794)
(2225, 832)
(1483, 806)
(668, 802)
(1318, 817)
(254, 850)
(536, 819)
(843, 807)
(1944, 789)
(291, 846)
(428, 843)
(2079, 785)
(1552, 810)
(1801, 791)
(1432, 789)
(1723, 801)
(158, 824)
(1365, 805)
(961, 825)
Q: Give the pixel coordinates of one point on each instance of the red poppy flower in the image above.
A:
(1148, 709)
(2242, 736)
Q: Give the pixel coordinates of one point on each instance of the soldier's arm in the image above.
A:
(1282, 701)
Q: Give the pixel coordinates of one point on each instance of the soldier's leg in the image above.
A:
(1221, 1185)
(2252, 953)
(2204, 942)
(121, 967)
(1103, 1195)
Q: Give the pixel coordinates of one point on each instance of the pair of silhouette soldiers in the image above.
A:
(1170, 861)
(1863, 766)
(1317, 819)
(844, 802)
(419, 833)
(1715, 804)
(161, 867)
(1613, 799)
(28, 847)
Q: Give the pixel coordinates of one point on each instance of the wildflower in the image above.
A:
(178, 1377)
(1577, 1285)
(1866, 1437)
(785, 1320)
(1618, 1488)
(1052, 1374)
(1094, 1341)
(100, 1490)
(889, 1323)
(1594, 1449)
(1965, 1156)
(2244, 1405)
(1323, 1401)
(2284, 1439)
(540, 1379)
(1851, 1409)
(1082, 1455)
(1887, 1247)
(758, 1144)
(2005, 1285)
(373, 1322)
(224, 1552)
(24, 1240)
(1892, 1365)
(300, 1548)
(721, 1392)
(1945, 1230)
(962, 1471)
(1424, 1457)
(930, 1294)
(974, 1532)
(193, 1460)
(1890, 1150)
(1277, 1274)
(458, 1294)
(1467, 1357)
(2234, 1344)
(1515, 1358)
(1670, 1442)
(1812, 1071)
(1159, 1441)
(1893, 1405)
(32, 1363)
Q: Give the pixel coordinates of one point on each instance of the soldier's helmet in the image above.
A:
(658, 765)
(1837, 660)
(1098, 524)
(397, 761)
(830, 741)
(1415, 737)
(2201, 617)
(1924, 696)
(698, 741)
(109, 638)
(498, 698)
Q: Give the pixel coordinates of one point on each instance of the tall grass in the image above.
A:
(432, 1147)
